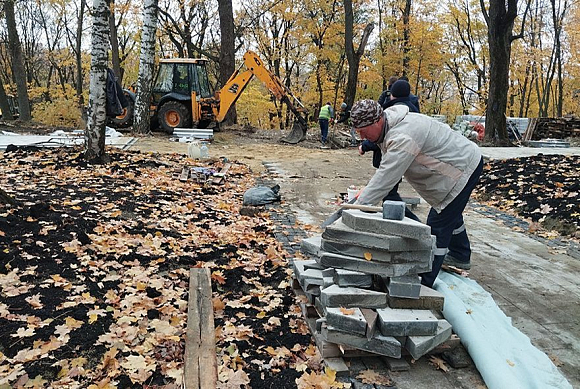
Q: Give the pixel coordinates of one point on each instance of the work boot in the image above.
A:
(451, 261)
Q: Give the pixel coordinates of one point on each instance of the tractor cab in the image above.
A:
(179, 85)
(182, 76)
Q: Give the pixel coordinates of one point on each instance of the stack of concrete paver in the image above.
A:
(364, 283)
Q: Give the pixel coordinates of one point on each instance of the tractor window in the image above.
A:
(164, 82)
(181, 79)
(204, 88)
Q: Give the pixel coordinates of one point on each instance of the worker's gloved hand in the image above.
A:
(360, 150)
(358, 193)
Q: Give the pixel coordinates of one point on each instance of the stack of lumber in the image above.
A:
(552, 128)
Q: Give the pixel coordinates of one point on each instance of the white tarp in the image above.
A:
(505, 357)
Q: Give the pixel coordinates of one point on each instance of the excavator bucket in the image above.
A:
(298, 133)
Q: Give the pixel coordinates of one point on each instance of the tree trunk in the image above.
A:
(115, 44)
(353, 57)
(79, 53)
(97, 116)
(406, 36)
(141, 123)
(227, 61)
(18, 69)
(500, 22)
(4, 105)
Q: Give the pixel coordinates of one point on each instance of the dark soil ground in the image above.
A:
(94, 271)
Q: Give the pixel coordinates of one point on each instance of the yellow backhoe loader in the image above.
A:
(182, 96)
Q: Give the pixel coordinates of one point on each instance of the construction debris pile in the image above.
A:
(364, 284)
(552, 128)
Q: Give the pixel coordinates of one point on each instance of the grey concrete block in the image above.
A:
(319, 323)
(340, 232)
(373, 267)
(404, 286)
(394, 364)
(354, 250)
(328, 272)
(428, 299)
(421, 345)
(406, 322)
(335, 296)
(300, 266)
(313, 275)
(357, 279)
(327, 281)
(311, 286)
(349, 320)
(393, 210)
(311, 245)
(373, 222)
(382, 345)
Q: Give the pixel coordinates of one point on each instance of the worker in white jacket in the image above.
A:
(442, 165)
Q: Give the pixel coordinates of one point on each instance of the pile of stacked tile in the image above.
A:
(364, 283)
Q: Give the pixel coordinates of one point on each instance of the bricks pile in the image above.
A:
(364, 284)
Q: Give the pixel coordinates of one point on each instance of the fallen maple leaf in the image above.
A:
(372, 377)
(439, 363)
(34, 301)
(218, 304)
(218, 276)
(347, 311)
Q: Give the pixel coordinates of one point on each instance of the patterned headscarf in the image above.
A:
(365, 112)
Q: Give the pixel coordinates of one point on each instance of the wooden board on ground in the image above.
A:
(220, 177)
(200, 371)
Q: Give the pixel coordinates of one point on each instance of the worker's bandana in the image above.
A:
(365, 112)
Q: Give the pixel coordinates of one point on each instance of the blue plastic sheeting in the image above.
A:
(503, 355)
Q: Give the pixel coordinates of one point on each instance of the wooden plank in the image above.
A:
(184, 174)
(200, 370)
(220, 177)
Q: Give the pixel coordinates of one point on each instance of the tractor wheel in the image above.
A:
(125, 119)
(172, 115)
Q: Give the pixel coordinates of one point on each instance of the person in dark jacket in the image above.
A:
(384, 97)
(400, 95)
(414, 99)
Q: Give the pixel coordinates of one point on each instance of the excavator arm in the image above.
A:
(234, 87)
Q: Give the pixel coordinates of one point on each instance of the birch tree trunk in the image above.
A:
(97, 116)
(142, 120)
(18, 69)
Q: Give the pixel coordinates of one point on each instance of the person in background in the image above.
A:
(384, 97)
(326, 114)
(400, 95)
(414, 99)
(344, 119)
(440, 164)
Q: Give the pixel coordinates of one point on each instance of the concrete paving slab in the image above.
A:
(335, 296)
(428, 299)
(354, 250)
(357, 279)
(382, 345)
(340, 232)
(374, 223)
(347, 320)
(311, 245)
(421, 345)
(372, 267)
(406, 322)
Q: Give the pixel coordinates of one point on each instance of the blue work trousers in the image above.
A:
(448, 228)
(323, 129)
